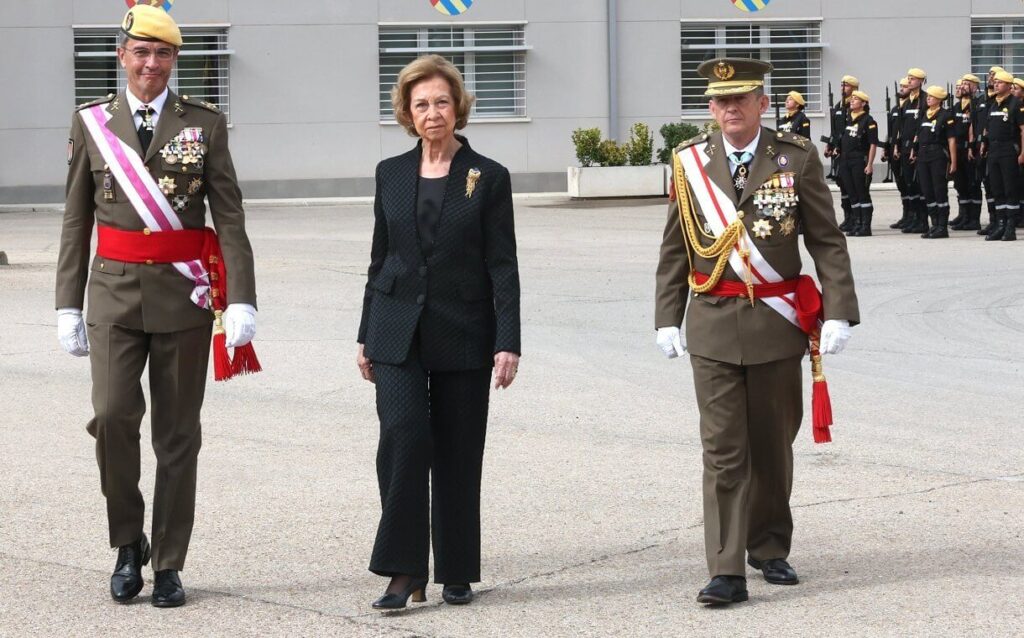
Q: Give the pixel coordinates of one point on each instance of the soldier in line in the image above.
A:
(893, 127)
(1003, 145)
(911, 112)
(965, 179)
(856, 161)
(935, 155)
(983, 103)
(795, 120)
(838, 114)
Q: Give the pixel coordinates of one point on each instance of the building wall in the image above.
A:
(304, 94)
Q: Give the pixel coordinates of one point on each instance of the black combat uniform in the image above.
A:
(966, 174)
(931, 147)
(860, 132)
(1002, 141)
(797, 123)
(893, 128)
(911, 112)
(838, 114)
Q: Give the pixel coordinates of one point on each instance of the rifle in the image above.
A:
(888, 140)
(829, 140)
(778, 112)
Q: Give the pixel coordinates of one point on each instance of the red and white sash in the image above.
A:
(719, 211)
(144, 194)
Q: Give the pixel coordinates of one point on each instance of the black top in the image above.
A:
(932, 137)
(429, 198)
(838, 116)
(1002, 128)
(911, 112)
(963, 116)
(858, 135)
(796, 123)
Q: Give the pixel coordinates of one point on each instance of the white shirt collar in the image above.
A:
(730, 149)
(157, 104)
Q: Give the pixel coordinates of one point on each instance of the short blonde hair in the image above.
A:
(424, 68)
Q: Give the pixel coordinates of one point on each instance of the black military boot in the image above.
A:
(992, 219)
(853, 223)
(998, 227)
(902, 221)
(1010, 234)
(847, 216)
(126, 581)
(961, 215)
(940, 228)
(919, 224)
(866, 213)
(973, 221)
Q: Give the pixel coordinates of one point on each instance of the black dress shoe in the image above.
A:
(126, 581)
(723, 590)
(167, 589)
(776, 571)
(416, 588)
(461, 594)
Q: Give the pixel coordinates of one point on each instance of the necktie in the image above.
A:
(146, 128)
(741, 162)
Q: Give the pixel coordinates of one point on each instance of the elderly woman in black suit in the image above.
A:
(441, 310)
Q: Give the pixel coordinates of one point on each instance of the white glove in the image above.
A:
(834, 335)
(71, 331)
(239, 324)
(671, 342)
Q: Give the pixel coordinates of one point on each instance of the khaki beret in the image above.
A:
(916, 73)
(150, 24)
(861, 95)
(937, 92)
(852, 81)
(799, 99)
(1003, 76)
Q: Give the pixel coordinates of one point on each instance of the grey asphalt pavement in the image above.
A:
(909, 524)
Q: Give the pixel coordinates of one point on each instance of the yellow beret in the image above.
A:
(916, 73)
(996, 69)
(1019, 82)
(970, 77)
(861, 95)
(151, 24)
(904, 81)
(852, 81)
(937, 92)
(799, 99)
(1003, 76)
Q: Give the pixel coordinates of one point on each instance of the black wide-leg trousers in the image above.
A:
(429, 464)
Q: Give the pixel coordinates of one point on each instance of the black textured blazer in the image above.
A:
(464, 298)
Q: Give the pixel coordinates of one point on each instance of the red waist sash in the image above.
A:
(145, 247)
(807, 301)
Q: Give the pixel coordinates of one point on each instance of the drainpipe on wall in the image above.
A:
(613, 69)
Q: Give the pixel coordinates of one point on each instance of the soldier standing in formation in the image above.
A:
(965, 179)
(908, 122)
(795, 120)
(890, 156)
(1003, 146)
(856, 160)
(934, 153)
(840, 110)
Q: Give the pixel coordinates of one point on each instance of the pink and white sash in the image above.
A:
(719, 211)
(144, 194)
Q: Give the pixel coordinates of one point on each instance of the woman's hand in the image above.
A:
(506, 364)
(365, 365)
(869, 169)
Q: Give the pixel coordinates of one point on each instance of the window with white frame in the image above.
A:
(492, 59)
(793, 48)
(997, 42)
(202, 71)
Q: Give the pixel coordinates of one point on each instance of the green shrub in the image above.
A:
(587, 142)
(640, 145)
(674, 135)
(610, 153)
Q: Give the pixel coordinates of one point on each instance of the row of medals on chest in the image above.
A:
(776, 199)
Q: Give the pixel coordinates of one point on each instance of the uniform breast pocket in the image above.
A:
(107, 267)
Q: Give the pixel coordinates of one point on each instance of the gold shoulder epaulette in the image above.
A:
(794, 139)
(697, 139)
(209, 106)
(103, 100)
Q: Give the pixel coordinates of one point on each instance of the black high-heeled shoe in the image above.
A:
(416, 588)
(461, 594)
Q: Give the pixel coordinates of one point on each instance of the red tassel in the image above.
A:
(821, 405)
(245, 361)
(221, 361)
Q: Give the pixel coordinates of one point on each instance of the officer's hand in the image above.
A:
(869, 170)
(834, 335)
(671, 342)
(365, 365)
(239, 324)
(71, 332)
(1020, 159)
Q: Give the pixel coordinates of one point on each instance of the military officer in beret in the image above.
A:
(730, 259)
(912, 109)
(140, 165)
(965, 180)
(840, 111)
(1003, 147)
